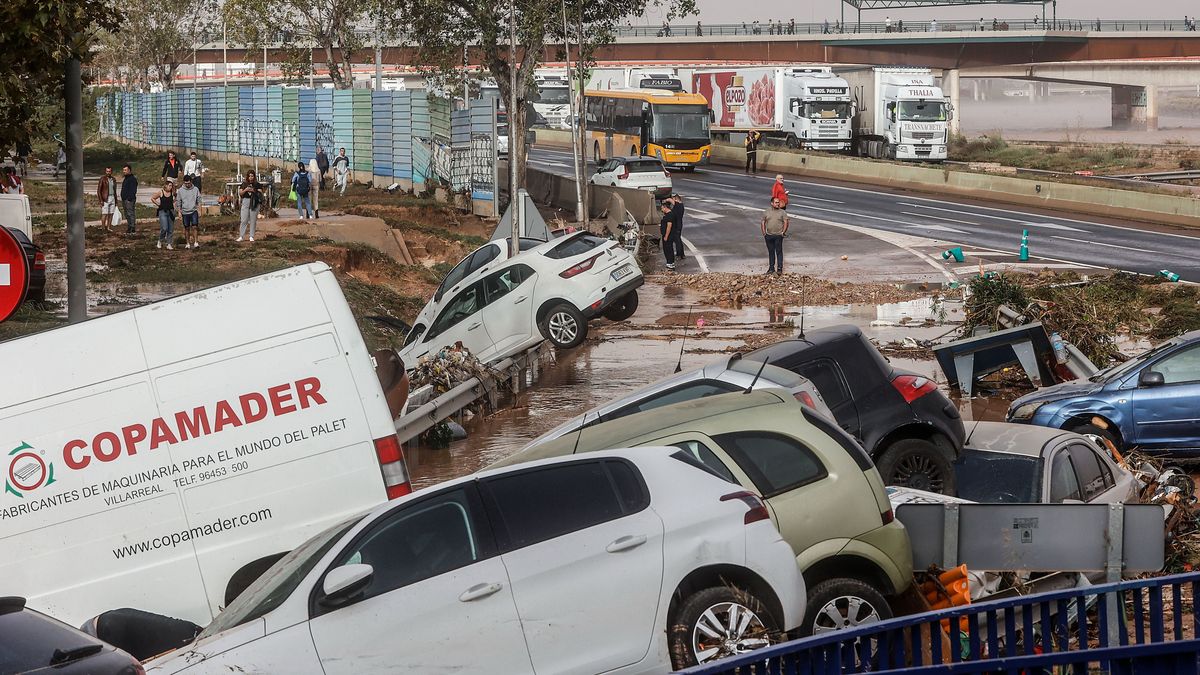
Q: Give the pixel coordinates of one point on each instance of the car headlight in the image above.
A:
(1026, 411)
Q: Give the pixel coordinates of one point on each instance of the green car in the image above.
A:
(823, 491)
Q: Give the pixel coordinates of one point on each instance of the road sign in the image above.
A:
(14, 274)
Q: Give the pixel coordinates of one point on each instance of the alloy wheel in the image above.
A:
(918, 472)
(843, 612)
(563, 328)
(726, 629)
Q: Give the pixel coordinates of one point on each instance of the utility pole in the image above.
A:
(76, 270)
(582, 118)
(516, 205)
(576, 141)
(264, 72)
(225, 51)
(312, 69)
(378, 58)
(195, 72)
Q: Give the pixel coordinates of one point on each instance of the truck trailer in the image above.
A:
(901, 114)
(800, 106)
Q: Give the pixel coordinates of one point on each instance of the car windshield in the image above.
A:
(1118, 370)
(276, 584)
(997, 477)
(827, 110)
(680, 123)
(923, 111)
(551, 95)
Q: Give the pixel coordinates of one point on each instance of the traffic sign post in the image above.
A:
(14, 274)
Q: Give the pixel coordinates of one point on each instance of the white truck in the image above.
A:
(163, 457)
(902, 114)
(801, 106)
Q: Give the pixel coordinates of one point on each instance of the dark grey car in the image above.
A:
(31, 642)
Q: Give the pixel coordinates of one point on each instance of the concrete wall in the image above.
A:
(548, 188)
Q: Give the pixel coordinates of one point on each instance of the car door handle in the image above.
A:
(521, 299)
(479, 591)
(474, 326)
(625, 543)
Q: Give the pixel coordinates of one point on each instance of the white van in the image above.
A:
(15, 212)
(163, 457)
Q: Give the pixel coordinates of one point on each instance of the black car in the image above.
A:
(913, 432)
(37, 266)
(31, 642)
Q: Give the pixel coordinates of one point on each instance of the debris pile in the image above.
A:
(727, 288)
(446, 369)
(1172, 487)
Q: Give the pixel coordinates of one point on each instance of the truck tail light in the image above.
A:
(913, 387)
(758, 510)
(580, 267)
(805, 398)
(39, 261)
(391, 464)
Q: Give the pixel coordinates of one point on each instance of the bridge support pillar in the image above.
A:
(1135, 107)
(1151, 107)
(950, 87)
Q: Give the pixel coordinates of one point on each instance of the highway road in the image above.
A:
(724, 206)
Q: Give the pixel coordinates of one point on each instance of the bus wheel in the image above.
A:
(596, 153)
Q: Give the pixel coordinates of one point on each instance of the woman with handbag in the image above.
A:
(250, 192)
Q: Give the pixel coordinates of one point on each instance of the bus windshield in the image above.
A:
(923, 111)
(827, 110)
(550, 95)
(680, 123)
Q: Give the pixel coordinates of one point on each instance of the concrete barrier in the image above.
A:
(941, 180)
(549, 188)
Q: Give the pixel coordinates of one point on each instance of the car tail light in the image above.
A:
(758, 510)
(580, 267)
(39, 261)
(913, 387)
(391, 464)
(887, 516)
(624, 173)
(805, 398)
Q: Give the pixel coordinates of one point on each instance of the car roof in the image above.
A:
(637, 158)
(813, 337)
(1014, 439)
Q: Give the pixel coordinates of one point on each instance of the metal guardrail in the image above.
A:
(1152, 628)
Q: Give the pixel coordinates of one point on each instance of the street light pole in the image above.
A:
(225, 51)
(76, 271)
(515, 148)
(576, 142)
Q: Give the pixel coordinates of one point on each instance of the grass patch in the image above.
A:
(373, 300)
(30, 318)
(993, 148)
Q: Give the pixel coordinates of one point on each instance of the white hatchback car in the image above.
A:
(618, 561)
(639, 173)
(497, 305)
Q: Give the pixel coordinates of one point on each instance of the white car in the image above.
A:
(630, 561)
(639, 173)
(719, 377)
(497, 306)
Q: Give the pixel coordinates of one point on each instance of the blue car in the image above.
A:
(1151, 402)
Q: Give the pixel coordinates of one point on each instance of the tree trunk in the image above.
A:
(335, 74)
(347, 70)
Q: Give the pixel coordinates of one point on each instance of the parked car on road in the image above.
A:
(1021, 464)
(31, 642)
(638, 173)
(723, 376)
(630, 560)
(37, 266)
(822, 490)
(497, 305)
(911, 429)
(1149, 402)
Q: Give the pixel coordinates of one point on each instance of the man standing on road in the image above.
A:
(752, 139)
(341, 169)
(669, 231)
(129, 188)
(106, 192)
(194, 169)
(189, 209)
(779, 192)
(677, 211)
(774, 229)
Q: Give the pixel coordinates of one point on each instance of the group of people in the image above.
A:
(309, 179)
(1189, 23)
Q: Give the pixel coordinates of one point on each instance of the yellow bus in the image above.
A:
(666, 123)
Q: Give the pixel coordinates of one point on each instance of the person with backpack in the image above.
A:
(302, 186)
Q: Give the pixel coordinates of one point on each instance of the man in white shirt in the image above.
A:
(193, 168)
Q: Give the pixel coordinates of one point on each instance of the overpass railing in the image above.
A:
(782, 27)
(1145, 625)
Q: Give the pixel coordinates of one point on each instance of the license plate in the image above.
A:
(622, 272)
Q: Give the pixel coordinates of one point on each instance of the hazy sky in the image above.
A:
(724, 11)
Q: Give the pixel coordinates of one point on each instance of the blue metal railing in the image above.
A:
(1143, 626)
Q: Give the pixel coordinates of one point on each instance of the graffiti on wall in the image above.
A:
(482, 171)
(325, 136)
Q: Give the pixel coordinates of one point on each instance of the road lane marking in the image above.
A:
(929, 215)
(701, 214)
(819, 199)
(939, 228)
(695, 254)
(705, 182)
(1100, 243)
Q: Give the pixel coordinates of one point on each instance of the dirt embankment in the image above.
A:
(793, 290)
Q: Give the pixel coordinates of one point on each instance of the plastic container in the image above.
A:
(1060, 350)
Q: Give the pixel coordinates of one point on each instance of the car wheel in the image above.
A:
(918, 464)
(1100, 434)
(836, 604)
(623, 308)
(718, 622)
(564, 326)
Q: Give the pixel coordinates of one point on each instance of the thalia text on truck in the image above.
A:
(163, 457)
(901, 114)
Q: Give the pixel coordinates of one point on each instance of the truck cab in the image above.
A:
(819, 110)
(917, 120)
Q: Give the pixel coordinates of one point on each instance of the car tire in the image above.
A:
(564, 326)
(623, 308)
(1090, 429)
(687, 641)
(841, 603)
(918, 464)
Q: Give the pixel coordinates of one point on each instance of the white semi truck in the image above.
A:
(802, 106)
(901, 114)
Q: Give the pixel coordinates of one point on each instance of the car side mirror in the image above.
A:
(1151, 378)
(343, 583)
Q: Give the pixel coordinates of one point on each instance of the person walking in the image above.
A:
(774, 229)
(171, 167)
(129, 189)
(322, 164)
(164, 200)
(314, 171)
(887, 24)
(779, 192)
(341, 170)
(189, 210)
(194, 169)
(250, 192)
(106, 192)
(23, 152)
(752, 139)
(669, 232)
(60, 161)
(302, 185)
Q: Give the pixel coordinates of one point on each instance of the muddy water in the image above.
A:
(625, 357)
